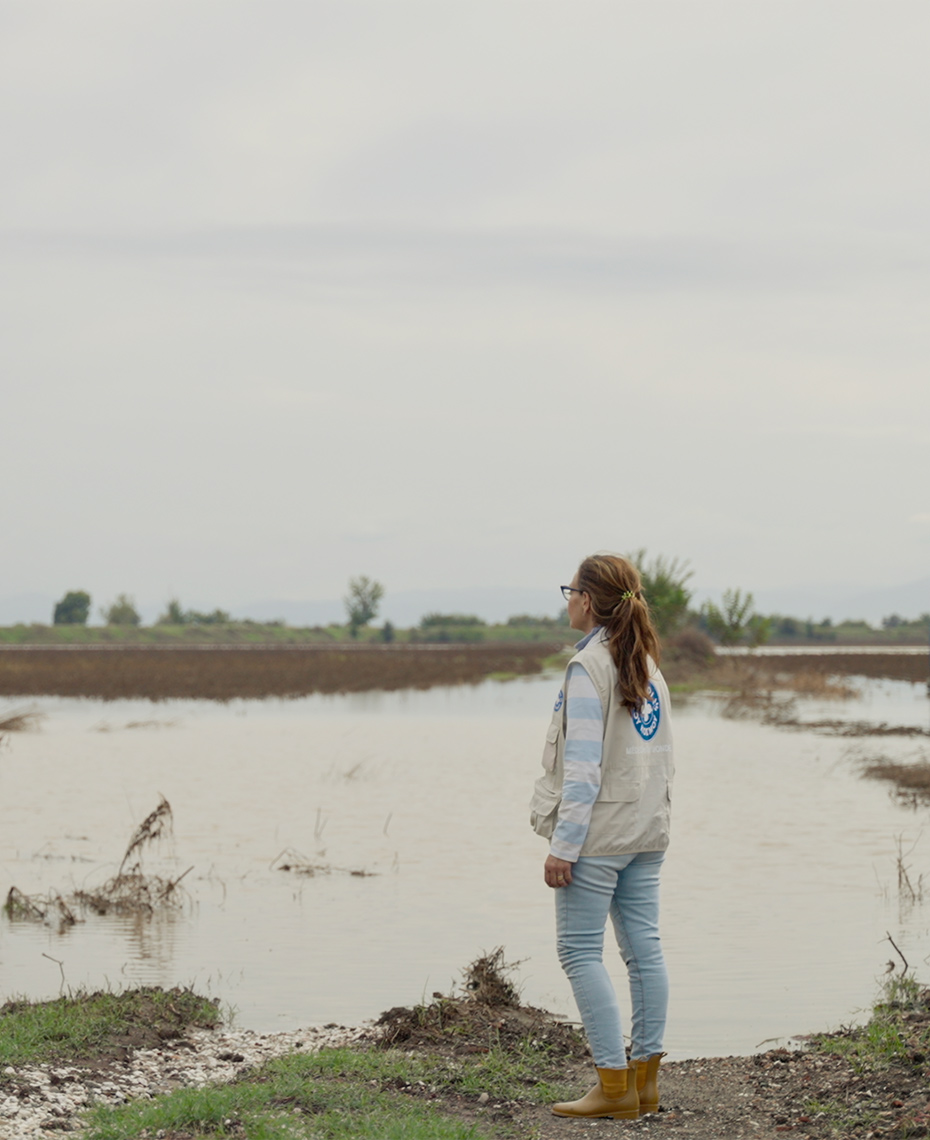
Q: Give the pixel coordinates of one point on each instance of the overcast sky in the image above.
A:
(452, 294)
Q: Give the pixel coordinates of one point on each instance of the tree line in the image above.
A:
(666, 585)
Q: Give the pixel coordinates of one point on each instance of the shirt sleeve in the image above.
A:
(584, 743)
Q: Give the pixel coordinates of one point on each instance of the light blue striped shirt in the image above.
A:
(584, 743)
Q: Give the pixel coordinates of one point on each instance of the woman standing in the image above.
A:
(603, 801)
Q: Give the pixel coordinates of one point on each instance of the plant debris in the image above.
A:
(38, 908)
(130, 891)
(911, 780)
(486, 1015)
(23, 721)
(291, 860)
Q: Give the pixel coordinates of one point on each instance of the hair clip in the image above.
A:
(627, 594)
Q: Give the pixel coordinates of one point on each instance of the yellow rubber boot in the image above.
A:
(647, 1083)
(613, 1096)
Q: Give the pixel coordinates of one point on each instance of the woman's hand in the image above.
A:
(558, 872)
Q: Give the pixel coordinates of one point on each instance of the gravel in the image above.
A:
(44, 1101)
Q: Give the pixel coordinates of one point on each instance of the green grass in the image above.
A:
(897, 1029)
(86, 1025)
(339, 1094)
(253, 633)
(369, 1093)
(896, 1038)
(234, 633)
(845, 1119)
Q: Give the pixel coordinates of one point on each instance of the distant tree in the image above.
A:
(736, 623)
(786, 626)
(73, 609)
(431, 621)
(387, 632)
(664, 584)
(759, 630)
(362, 602)
(174, 614)
(216, 617)
(535, 621)
(121, 612)
(892, 621)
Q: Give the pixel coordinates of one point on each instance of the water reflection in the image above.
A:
(779, 888)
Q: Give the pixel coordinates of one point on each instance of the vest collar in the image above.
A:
(589, 637)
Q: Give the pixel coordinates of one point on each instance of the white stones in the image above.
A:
(42, 1104)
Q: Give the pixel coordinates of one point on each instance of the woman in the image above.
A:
(603, 802)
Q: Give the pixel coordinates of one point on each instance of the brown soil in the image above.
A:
(807, 674)
(890, 666)
(226, 673)
(764, 1095)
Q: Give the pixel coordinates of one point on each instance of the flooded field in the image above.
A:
(229, 672)
(410, 810)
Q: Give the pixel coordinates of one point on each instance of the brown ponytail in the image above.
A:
(614, 587)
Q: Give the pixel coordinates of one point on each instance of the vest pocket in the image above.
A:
(544, 808)
(623, 785)
(551, 749)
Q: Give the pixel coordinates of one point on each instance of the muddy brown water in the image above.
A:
(779, 887)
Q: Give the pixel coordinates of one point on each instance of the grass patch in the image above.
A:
(99, 1025)
(341, 1093)
(881, 1085)
(467, 1066)
(897, 1032)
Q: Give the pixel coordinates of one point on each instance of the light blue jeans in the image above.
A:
(627, 888)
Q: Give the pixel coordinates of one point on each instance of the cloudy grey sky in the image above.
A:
(452, 294)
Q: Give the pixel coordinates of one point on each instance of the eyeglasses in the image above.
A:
(567, 591)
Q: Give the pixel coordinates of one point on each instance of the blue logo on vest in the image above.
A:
(558, 701)
(646, 718)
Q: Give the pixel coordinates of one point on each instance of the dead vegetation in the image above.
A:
(687, 663)
(911, 778)
(845, 663)
(750, 688)
(229, 673)
(50, 909)
(25, 720)
(131, 890)
(853, 727)
(486, 1014)
(293, 861)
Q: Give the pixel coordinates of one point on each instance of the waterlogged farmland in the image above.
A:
(225, 672)
(352, 852)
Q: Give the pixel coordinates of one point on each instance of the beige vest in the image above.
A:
(631, 813)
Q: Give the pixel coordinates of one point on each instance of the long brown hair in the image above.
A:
(617, 603)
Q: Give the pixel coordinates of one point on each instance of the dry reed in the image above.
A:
(129, 891)
(39, 908)
(912, 780)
